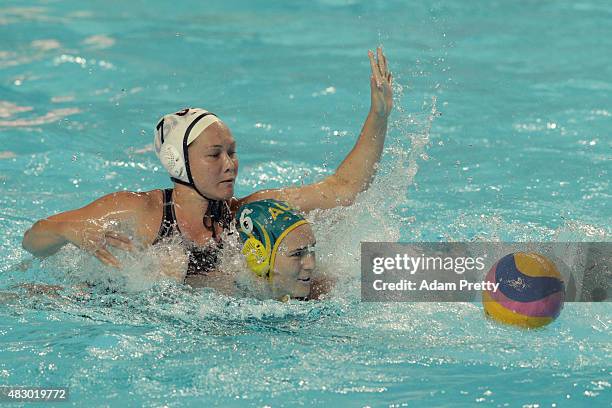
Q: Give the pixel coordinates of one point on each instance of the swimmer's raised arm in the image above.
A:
(89, 228)
(357, 171)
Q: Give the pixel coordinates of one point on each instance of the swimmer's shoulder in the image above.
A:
(288, 195)
(145, 208)
(117, 205)
(131, 201)
(149, 206)
(256, 196)
(234, 205)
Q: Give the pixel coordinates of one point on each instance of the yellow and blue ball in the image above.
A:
(531, 290)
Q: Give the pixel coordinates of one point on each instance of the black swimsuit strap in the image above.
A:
(219, 210)
(201, 259)
(168, 222)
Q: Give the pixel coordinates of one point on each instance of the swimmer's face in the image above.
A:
(294, 264)
(214, 162)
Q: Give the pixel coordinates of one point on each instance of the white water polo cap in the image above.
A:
(173, 134)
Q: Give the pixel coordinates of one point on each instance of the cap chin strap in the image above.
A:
(191, 185)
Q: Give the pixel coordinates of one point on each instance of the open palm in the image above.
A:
(380, 84)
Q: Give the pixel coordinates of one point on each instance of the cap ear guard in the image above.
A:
(171, 159)
(256, 252)
(258, 259)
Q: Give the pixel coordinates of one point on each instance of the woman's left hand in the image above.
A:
(380, 84)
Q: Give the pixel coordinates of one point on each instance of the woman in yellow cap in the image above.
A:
(199, 152)
(279, 248)
(278, 244)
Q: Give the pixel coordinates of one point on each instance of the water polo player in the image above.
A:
(199, 152)
(278, 244)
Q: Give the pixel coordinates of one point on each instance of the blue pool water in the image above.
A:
(501, 132)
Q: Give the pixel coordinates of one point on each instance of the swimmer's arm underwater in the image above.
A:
(87, 227)
(357, 171)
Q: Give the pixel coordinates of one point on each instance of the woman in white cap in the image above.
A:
(199, 152)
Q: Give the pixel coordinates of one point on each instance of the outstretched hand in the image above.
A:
(96, 238)
(380, 84)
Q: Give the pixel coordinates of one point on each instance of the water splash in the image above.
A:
(376, 214)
